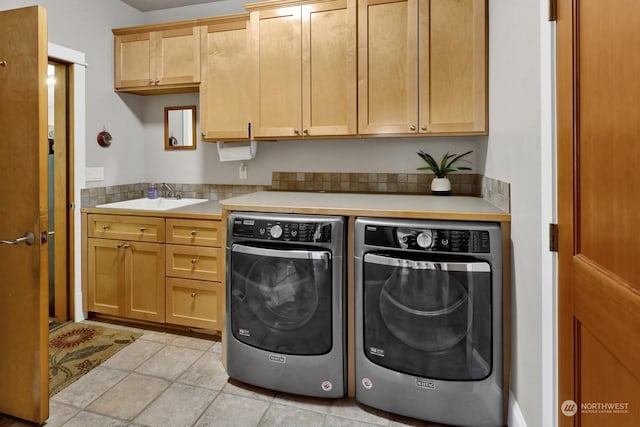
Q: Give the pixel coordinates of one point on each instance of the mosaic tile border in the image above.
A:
(497, 192)
(492, 190)
(117, 193)
(406, 183)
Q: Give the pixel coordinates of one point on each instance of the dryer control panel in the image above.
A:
(432, 239)
(292, 231)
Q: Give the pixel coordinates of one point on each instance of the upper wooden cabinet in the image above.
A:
(422, 67)
(303, 63)
(157, 59)
(224, 101)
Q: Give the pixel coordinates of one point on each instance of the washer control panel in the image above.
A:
(282, 230)
(433, 239)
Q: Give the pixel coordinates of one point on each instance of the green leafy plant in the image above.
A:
(446, 165)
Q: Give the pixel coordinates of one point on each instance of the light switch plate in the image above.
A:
(94, 174)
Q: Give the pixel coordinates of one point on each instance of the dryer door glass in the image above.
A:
(281, 299)
(429, 319)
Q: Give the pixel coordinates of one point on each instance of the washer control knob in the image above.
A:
(276, 231)
(425, 239)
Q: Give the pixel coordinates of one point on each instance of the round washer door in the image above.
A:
(280, 299)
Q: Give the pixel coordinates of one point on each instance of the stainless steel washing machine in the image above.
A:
(285, 318)
(429, 319)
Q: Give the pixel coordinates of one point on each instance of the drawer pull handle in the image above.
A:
(193, 294)
(194, 232)
(142, 229)
(106, 227)
(193, 260)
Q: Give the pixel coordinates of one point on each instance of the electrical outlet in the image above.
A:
(243, 171)
(94, 174)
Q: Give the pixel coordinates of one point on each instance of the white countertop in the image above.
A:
(386, 205)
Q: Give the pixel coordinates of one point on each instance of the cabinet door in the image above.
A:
(197, 232)
(387, 66)
(276, 72)
(329, 68)
(133, 60)
(176, 57)
(453, 83)
(105, 276)
(224, 102)
(195, 303)
(144, 281)
(194, 262)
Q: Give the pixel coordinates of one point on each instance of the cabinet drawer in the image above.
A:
(195, 303)
(137, 228)
(193, 232)
(194, 262)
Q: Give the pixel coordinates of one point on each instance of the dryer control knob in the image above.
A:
(276, 231)
(424, 239)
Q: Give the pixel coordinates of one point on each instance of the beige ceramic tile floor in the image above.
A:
(167, 380)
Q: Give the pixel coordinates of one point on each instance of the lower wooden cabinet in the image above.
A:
(195, 303)
(133, 272)
(126, 279)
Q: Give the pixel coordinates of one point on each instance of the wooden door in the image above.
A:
(133, 60)
(24, 334)
(105, 274)
(276, 86)
(598, 205)
(453, 66)
(224, 100)
(329, 68)
(387, 66)
(175, 56)
(144, 281)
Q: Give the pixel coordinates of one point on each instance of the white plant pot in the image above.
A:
(441, 186)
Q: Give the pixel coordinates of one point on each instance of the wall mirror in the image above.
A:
(180, 128)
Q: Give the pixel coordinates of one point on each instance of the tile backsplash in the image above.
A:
(494, 191)
(117, 193)
(407, 183)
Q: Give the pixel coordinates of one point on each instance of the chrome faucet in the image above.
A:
(170, 192)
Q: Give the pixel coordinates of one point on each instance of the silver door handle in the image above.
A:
(28, 238)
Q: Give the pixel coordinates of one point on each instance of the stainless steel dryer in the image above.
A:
(429, 319)
(285, 318)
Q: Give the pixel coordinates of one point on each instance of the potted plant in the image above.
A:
(441, 185)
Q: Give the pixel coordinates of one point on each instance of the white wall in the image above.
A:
(514, 155)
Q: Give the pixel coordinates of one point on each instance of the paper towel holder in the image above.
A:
(236, 151)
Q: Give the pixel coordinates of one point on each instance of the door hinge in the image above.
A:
(553, 237)
(553, 10)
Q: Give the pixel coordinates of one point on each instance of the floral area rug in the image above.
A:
(77, 348)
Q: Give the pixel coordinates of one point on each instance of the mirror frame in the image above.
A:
(167, 146)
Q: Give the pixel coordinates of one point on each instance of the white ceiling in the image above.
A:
(147, 5)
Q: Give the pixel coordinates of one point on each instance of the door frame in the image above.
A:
(77, 161)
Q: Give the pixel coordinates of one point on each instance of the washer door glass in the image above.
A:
(281, 299)
(429, 319)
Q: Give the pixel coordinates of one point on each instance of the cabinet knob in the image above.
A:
(151, 81)
(157, 81)
(193, 260)
(305, 131)
(296, 131)
(424, 128)
(119, 245)
(203, 134)
(106, 227)
(126, 246)
(412, 128)
(193, 294)
(142, 229)
(194, 232)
